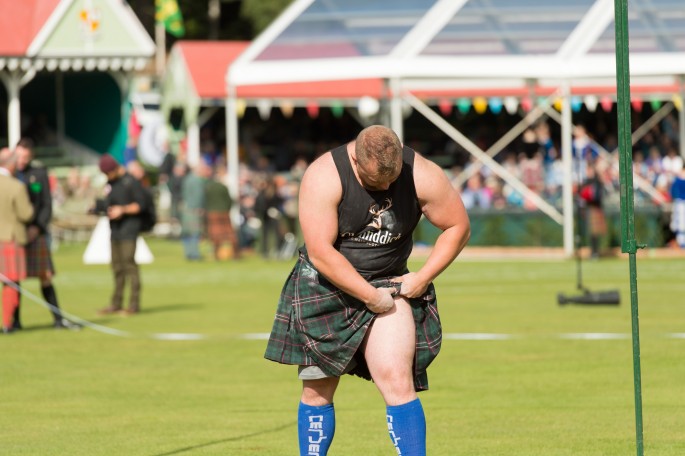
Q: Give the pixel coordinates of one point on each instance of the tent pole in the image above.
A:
(193, 143)
(628, 242)
(12, 83)
(474, 150)
(566, 159)
(396, 120)
(232, 161)
(681, 117)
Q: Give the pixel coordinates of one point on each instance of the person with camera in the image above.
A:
(123, 205)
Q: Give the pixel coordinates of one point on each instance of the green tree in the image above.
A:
(261, 13)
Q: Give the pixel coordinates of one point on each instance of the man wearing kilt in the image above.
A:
(350, 305)
(38, 257)
(217, 210)
(15, 211)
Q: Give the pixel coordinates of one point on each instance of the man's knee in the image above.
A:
(319, 392)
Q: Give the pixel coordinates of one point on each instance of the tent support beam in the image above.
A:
(13, 82)
(232, 161)
(681, 117)
(640, 182)
(396, 119)
(566, 161)
(505, 140)
(474, 150)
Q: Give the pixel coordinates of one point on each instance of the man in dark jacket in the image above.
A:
(124, 204)
(38, 258)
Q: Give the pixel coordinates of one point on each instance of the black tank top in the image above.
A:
(375, 227)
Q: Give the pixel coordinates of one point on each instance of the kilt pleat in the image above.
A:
(38, 257)
(317, 324)
(12, 260)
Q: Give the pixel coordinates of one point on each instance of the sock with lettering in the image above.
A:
(315, 427)
(407, 428)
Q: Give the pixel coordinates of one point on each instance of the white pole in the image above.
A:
(160, 43)
(681, 117)
(13, 84)
(59, 107)
(193, 144)
(396, 120)
(566, 160)
(232, 161)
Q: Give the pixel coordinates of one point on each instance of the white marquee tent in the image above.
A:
(552, 48)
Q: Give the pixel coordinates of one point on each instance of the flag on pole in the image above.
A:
(168, 14)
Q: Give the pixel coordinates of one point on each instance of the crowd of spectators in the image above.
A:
(269, 178)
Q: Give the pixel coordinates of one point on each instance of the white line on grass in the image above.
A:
(477, 336)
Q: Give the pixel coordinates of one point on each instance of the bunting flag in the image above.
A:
(655, 103)
(606, 103)
(264, 106)
(337, 109)
(168, 13)
(480, 105)
(313, 109)
(526, 104)
(677, 102)
(591, 102)
(637, 104)
(576, 103)
(495, 104)
(287, 108)
(445, 106)
(463, 105)
(511, 104)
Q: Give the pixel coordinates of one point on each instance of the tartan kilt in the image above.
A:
(38, 257)
(219, 228)
(317, 324)
(597, 222)
(12, 261)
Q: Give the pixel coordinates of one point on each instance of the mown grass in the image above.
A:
(89, 393)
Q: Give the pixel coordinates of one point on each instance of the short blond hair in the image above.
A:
(381, 145)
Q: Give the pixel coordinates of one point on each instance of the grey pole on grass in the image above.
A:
(628, 242)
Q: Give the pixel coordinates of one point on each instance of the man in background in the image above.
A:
(38, 256)
(15, 211)
(123, 204)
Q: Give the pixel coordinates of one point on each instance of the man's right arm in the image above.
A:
(320, 194)
(23, 206)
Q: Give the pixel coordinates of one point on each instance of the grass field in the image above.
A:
(542, 391)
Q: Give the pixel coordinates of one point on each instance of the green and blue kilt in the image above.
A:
(316, 324)
(38, 257)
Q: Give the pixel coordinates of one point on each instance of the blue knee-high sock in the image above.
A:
(407, 428)
(315, 427)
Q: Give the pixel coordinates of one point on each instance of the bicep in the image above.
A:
(318, 208)
(440, 202)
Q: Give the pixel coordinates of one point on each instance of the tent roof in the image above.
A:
(424, 40)
(207, 61)
(20, 22)
(72, 35)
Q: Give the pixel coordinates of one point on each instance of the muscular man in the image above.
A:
(38, 257)
(350, 305)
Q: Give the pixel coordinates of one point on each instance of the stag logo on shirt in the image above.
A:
(380, 230)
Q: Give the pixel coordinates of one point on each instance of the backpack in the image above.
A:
(148, 216)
